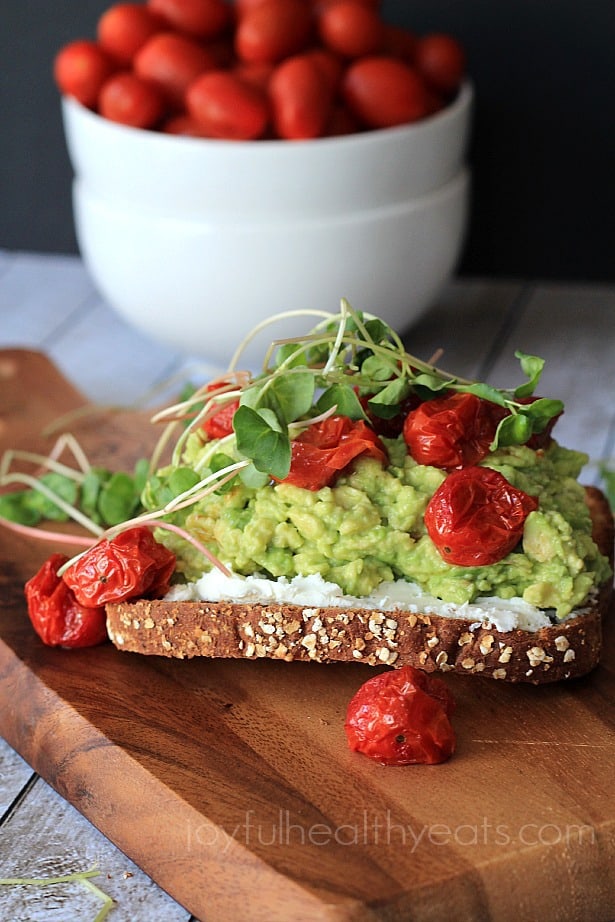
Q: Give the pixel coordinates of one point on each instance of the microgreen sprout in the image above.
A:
(81, 877)
(349, 361)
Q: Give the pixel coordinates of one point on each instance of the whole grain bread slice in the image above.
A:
(328, 634)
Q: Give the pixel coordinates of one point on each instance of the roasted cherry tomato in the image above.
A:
(56, 615)
(402, 717)
(324, 449)
(392, 426)
(452, 431)
(476, 517)
(131, 565)
(220, 423)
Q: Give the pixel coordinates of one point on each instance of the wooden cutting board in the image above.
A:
(231, 784)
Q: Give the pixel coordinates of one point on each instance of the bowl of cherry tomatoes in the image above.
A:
(233, 161)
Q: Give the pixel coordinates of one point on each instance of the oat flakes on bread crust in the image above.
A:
(324, 635)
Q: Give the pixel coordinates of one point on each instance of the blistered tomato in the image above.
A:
(402, 717)
(452, 431)
(324, 449)
(56, 615)
(476, 517)
(131, 565)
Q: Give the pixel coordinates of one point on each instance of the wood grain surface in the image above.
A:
(231, 784)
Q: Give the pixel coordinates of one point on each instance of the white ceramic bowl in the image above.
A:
(195, 241)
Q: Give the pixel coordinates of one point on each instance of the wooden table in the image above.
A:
(49, 304)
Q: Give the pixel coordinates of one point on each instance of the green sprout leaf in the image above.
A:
(15, 507)
(46, 508)
(261, 439)
(218, 462)
(513, 430)
(118, 499)
(532, 367)
(343, 398)
(386, 403)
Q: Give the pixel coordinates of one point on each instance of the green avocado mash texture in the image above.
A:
(368, 527)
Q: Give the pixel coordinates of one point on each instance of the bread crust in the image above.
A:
(327, 634)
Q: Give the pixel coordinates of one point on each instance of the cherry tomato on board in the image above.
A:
(402, 717)
(56, 615)
(324, 449)
(131, 565)
(476, 517)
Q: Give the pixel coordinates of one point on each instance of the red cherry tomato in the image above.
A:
(172, 62)
(393, 426)
(476, 517)
(258, 75)
(128, 99)
(131, 565)
(384, 91)
(125, 27)
(330, 65)
(56, 615)
(402, 717)
(220, 423)
(400, 42)
(80, 69)
(227, 106)
(351, 28)
(442, 62)
(203, 19)
(324, 449)
(183, 125)
(452, 431)
(301, 98)
(273, 30)
(341, 122)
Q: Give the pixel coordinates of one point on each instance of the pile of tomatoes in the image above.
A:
(254, 69)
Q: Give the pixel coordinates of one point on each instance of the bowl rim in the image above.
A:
(369, 138)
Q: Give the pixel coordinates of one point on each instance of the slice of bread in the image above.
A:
(184, 629)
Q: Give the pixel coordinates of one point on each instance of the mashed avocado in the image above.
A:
(368, 527)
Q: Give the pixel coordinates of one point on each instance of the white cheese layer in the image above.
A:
(313, 591)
